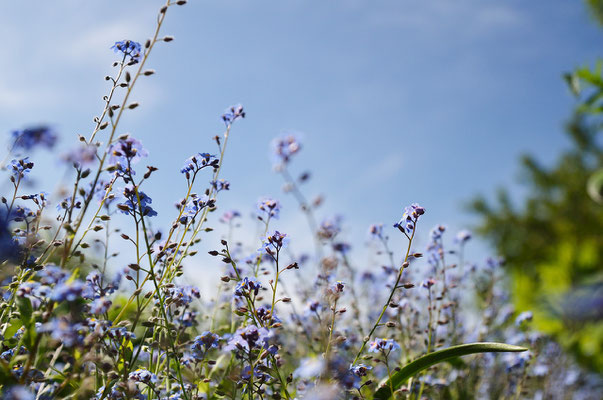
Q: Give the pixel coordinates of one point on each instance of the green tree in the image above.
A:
(553, 240)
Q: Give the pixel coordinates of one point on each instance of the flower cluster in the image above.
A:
(128, 48)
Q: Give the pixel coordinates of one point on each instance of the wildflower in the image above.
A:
(220, 185)
(436, 233)
(247, 286)
(232, 114)
(428, 283)
(259, 375)
(21, 213)
(462, 237)
(494, 263)
(194, 206)
(360, 370)
(409, 218)
(20, 168)
(330, 227)
(274, 242)
(204, 342)
(131, 206)
(125, 152)
(18, 392)
(285, 147)
(268, 208)
(52, 274)
(128, 48)
(181, 296)
(94, 282)
(336, 288)
(143, 376)
(379, 345)
(199, 161)
(100, 305)
(342, 247)
(121, 333)
(81, 156)
(524, 317)
(248, 338)
(9, 249)
(376, 231)
(65, 331)
(69, 291)
(29, 138)
(230, 215)
(39, 199)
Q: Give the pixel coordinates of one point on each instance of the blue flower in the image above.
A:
(409, 218)
(220, 185)
(125, 152)
(330, 227)
(229, 215)
(69, 291)
(268, 208)
(463, 236)
(130, 206)
(52, 274)
(143, 376)
(199, 161)
(376, 231)
(247, 286)
(29, 138)
(249, 338)
(19, 168)
(81, 156)
(284, 147)
(204, 342)
(232, 114)
(182, 296)
(9, 249)
(100, 306)
(194, 206)
(18, 393)
(62, 329)
(336, 288)
(380, 345)
(128, 48)
(274, 242)
(524, 317)
(259, 374)
(360, 369)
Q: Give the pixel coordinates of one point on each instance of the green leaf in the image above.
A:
(422, 363)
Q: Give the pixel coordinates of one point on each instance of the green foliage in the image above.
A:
(426, 361)
(553, 241)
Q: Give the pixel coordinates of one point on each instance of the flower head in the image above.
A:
(143, 376)
(232, 114)
(204, 342)
(409, 218)
(128, 48)
(19, 168)
(380, 345)
(274, 242)
(199, 161)
(247, 286)
(284, 147)
(125, 152)
(29, 138)
(131, 205)
(268, 208)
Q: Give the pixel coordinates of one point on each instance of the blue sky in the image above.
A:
(397, 101)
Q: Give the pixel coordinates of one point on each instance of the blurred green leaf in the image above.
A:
(422, 363)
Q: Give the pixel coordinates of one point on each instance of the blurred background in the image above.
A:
(485, 113)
